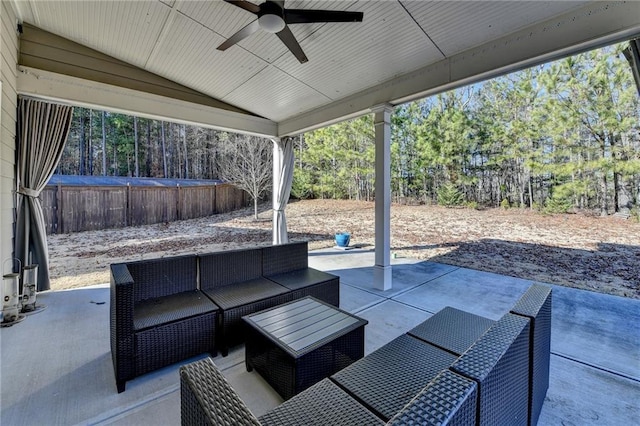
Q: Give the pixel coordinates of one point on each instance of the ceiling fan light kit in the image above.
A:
(275, 19)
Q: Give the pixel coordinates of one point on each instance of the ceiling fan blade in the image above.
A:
(292, 44)
(305, 16)
(240, 35)
(246, 5)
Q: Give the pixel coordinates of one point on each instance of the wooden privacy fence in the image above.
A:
(85, 208)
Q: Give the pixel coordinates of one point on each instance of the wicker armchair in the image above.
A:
(157, 316)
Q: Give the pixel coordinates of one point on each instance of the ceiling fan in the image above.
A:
(274, 18)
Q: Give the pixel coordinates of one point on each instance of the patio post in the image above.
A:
(382, 267)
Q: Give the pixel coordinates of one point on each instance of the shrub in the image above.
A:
(472, 205)
(505, 204)
(557, 204)
(449, 196)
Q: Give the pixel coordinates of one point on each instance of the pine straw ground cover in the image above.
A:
(595, 253)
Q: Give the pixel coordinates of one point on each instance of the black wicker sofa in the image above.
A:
(441, 372)
(169, 309)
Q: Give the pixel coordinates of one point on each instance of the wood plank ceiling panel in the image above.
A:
(345, 58)
(126, 30)
(275, 95)
(188, 56)
(457, 26)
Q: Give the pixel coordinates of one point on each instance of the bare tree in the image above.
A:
(247, 162)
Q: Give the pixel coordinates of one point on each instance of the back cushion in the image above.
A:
(162, 277)
(229, 267)
(283, 258)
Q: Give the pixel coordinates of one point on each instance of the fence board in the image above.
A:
(83, 208)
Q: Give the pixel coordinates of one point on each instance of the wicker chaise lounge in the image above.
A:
(499, 378)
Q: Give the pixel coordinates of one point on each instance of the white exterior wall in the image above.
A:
(8, 109)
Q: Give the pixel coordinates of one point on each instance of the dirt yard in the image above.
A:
(594, 253)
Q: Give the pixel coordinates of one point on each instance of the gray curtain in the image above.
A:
(283, 163)
(632, 53)
(42, 132)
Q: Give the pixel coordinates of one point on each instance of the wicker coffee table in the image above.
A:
(299, 343)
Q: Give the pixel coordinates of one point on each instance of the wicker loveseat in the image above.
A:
(169, 309)
(492, 372)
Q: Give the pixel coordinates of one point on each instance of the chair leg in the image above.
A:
(121, 385)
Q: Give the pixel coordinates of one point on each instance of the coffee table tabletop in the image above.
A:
(299, 327)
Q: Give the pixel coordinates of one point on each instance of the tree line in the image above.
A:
(561, 136)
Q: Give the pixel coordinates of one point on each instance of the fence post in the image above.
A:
(127, 220)
(178, 203)
(59, 209)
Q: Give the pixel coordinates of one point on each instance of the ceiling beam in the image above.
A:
(91, 94)
(595, 25)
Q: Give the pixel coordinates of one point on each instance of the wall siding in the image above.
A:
(8, 108)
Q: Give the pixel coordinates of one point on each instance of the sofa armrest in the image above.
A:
(449, 399)
(499, 362)
(206, 398)
(121, 324)
(535, 304)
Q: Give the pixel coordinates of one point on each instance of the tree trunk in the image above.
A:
(135, 145)
(90, 142)
(82, 144)
(184, 144)
(164, 150)
(149, 150)
(104, 147)
(255, 208)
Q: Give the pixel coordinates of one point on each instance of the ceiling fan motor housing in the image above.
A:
(271, 17)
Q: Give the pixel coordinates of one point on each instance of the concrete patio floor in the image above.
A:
(56, 365)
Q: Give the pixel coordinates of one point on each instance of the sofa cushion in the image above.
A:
(238, 294)
(452, 329)
(161, 310)
(322, 404)
(301, 278)
(161, 277)
(281, 258)
(229, 267)
(388, 378)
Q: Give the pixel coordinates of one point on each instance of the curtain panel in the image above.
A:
(43, 128)
(283, 162)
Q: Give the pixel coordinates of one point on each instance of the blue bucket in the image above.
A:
(342, 239)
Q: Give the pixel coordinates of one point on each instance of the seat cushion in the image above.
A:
(162, 310)
(388, 378)
(322, 404)
(238, 294)
(301, 278)
(452, 329)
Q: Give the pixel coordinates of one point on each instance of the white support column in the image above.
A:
(382, 267)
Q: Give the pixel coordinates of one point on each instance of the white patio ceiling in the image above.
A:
(401, 51)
